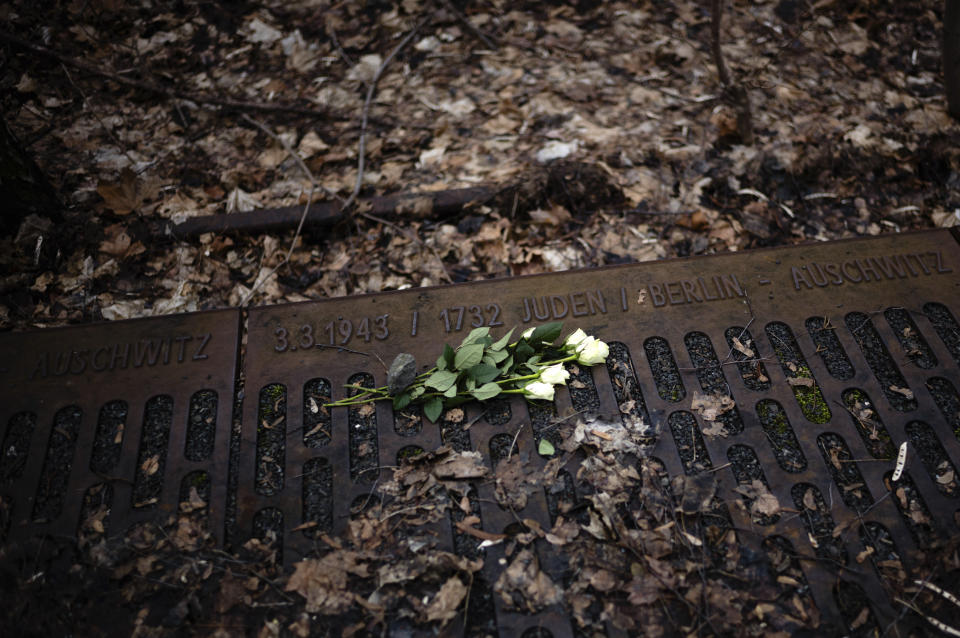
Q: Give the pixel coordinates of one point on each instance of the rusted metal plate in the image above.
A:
(128, 415)
(834, 353)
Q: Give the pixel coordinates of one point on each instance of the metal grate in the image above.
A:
(126, 416)
(835, 354)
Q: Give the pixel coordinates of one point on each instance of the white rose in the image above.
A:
(555, 375)
(574, 339)
(538, 390)
(592, 351)
(528, 333)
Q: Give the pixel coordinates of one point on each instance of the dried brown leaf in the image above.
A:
(444, 605)
(120, 196)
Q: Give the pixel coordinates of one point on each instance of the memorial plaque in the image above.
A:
(804, 370)
(122, 418)
(835, 355)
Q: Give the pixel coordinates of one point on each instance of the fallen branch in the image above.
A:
(432, 204)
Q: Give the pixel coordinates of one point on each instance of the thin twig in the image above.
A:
(339, 48)
(365, 117)
(414, 238)
(471, 27)
(736, 93)
(514, 442)
(939, 624)
(306, 208)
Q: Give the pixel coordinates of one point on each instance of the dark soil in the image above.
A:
(946, 326)
(819, 523)
(623, 376)
(913, 509)
(362, 421)
(408, 453)
(752, 370)
(57, 464)
(16, 446)
(271, 439)
(947, 399)
(500, 447)
(268, 526)
(794, 366)
(855, 609)
(829, 348)
(911, 341)
(497, 412)
(845, 473)
(543, 418)
(885, 557)
(663, 366)
(452, 432)
(710, 374)
(318, 496)
(98, 499)
(152, 457)
(201, 425)
(782, 438)
(316, 418)
(925, 443)
(868, 424)
(408, 421)
(746, 469)
(879, 360)
(583, 391)
(689, 441)
(108, 439)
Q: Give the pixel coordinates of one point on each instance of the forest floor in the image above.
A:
(601, 129)
(602, 134)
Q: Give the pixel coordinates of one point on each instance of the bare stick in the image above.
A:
(306, 208)
(514, 441)
(471, 27)
(735, 92)
(371, 89)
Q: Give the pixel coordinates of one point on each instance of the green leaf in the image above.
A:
(471, 383)
(506, 365)
(496, 356)
(483, 373)
(475, 335)
(433, 408)
(446, 359)
(441, 380)
(524, 351)
(545, 448)
(451, 392)
(502, 341)
(486, 391)
(468, 356)
(547, 333)
(416, 391)
(401, 400)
